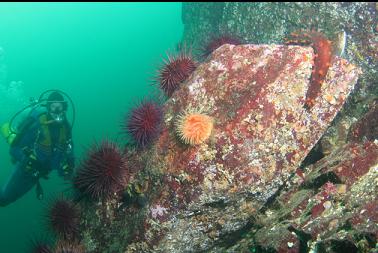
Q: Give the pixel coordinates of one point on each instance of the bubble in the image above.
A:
(1, 52)
(11, 93)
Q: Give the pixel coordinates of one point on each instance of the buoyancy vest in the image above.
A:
(44, 138)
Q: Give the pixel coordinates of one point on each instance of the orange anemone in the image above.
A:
(194, 128)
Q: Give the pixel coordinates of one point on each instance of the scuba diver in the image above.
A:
(41, 143)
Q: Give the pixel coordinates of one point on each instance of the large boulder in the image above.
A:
(186, 198)
(271, 22)
(200, 196)
(351, 26)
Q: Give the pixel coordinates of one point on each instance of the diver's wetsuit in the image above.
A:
(52, 147)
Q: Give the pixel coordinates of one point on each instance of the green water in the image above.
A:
(102, 54)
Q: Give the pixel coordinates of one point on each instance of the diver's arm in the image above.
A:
(19, 150)
(66, 171)
(70, 155)
(68, 168)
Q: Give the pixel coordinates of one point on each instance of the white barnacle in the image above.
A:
(215, 65)
(195, 86)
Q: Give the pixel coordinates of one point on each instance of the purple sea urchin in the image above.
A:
(64, 217)
(175, 71)
(103, 173)
(39, 247)
(143, 123)
(69, 247)
(218, 41)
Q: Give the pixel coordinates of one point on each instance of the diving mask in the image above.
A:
(56, 111)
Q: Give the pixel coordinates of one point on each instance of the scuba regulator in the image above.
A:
(55, 107)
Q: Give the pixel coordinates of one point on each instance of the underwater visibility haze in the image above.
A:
(103, 55)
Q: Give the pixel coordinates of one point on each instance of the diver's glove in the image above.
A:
(30, 160)
(39, 191)
(67, 171)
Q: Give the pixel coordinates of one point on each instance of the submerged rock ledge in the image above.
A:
(202, 198)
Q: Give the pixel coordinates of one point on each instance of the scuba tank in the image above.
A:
(7, 133)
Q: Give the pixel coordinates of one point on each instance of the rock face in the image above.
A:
(331, 209)
(367, 127)
(262, 132)
(352, 26)
(203, 197)
(243, 189)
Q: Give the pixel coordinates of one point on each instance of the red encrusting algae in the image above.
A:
(322, 60)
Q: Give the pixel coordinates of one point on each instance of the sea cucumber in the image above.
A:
(322, 60)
